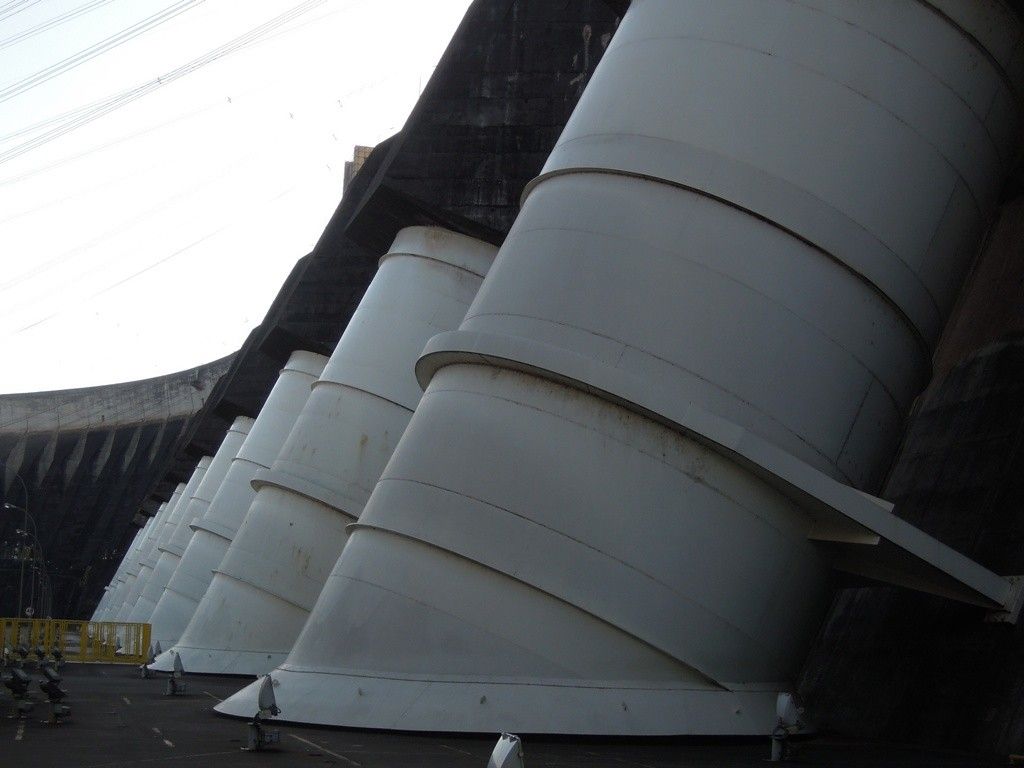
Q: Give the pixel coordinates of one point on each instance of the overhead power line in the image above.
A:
(115, 142)
(139, 273)
(7, 10)
(219, 103)
(63, 116)
(248, 212)
(121, 226)
(44, 26)
(86, 54)
(86, 107)
(85, 115)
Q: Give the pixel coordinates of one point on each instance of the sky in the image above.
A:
(164, 164)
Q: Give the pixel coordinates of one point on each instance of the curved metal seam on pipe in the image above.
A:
(684, 659)
(913, 326)
(826, 78)
(718, 386)
(951, 89)
(731, 440)
(310, 490)
(407, 254)
(982, 49)
(364, 390)
(269, 591)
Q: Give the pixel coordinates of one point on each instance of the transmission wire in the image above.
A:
(116, 101)
(86, 54)
(56, 21)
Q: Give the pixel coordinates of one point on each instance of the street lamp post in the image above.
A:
(38, 571)
(21, 560)
(24, 510)
(22, 534)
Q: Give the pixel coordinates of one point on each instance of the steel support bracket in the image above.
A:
(1014, 602)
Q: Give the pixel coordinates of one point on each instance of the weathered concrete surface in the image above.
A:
(86, 457)
(897, 665)
(991, 304)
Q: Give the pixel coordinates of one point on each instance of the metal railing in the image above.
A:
(108, 642)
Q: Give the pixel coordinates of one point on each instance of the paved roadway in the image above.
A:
(119, 719)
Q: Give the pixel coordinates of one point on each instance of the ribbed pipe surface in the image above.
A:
(165, 559)
(167, 620)
(215, 530)
(109, 596)
(276, 565)
(110, 590)
(761, 209)
(143, 565)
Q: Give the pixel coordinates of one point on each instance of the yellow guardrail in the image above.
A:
(109, 642)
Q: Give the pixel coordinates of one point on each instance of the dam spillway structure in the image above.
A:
(294, 530)
(221, 519)
(638, 462)
(148, 554)
(165, 555)
(165, 618)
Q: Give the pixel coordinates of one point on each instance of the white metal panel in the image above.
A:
(210, 484)
(225, 512)
(169, 616)
(118, 579)
(760, 209)
(108, 600)
(217, 527)
(165, 560)
(295, 528)
(145, 562)
(283, 404)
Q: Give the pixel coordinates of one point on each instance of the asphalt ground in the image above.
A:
(119, 719)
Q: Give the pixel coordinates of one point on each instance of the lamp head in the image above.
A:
(267, 702)
(508, 753)
(52, 690)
